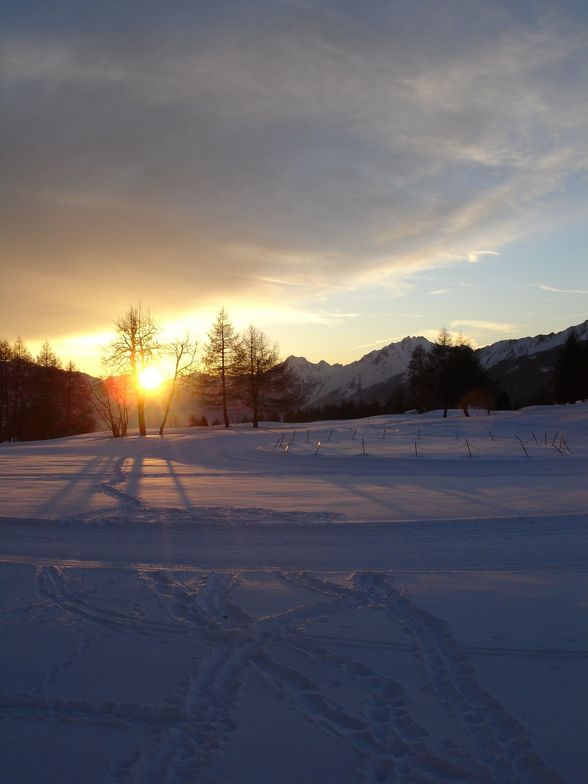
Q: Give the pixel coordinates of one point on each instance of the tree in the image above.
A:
(75, 402)
(5, 388)
(419, 378)
(567, 376)
(440, 365)
(183, 352)
(133, 348)
(470, 384)
(448, 375)
(110, 399)
(221, 362)
(21, 375)
(266, 384)
(584, 371)
(46, 376)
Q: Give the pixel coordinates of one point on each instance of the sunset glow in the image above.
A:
(348, 188)
(150, 379)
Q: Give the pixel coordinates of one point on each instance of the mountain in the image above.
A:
(507, 350)
(323, 383)
(522, 367)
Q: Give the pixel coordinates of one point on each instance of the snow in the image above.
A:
(527, 347)
(321, 380)
(248, 606)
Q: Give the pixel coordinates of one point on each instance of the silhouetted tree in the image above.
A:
(76, 402)
(470, 384)
(110, 399)
(419, 378)
(133, 348)
(440, 365)
(183, 352)
(447, 376)
(567, 380)
(5, 388)
(267, 384)
(584, 371)
(21, 377)
(38, 399)
(221, 363)
(44, 415)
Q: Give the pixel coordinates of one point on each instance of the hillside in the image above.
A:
(521, 367)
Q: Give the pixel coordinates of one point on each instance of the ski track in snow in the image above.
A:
(387, 740)
(188, 732)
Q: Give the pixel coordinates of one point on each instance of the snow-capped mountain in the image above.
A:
(321, 382)
(527, 347)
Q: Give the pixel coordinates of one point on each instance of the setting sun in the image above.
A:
(150, 379)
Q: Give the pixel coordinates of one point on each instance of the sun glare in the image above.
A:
(150, 379)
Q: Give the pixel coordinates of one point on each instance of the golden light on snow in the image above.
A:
(150, 379)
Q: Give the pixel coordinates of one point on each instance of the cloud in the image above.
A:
(545, 287)
(380, 342)
(492, 326)
(475, 255)
(186, 154)
(439, 292)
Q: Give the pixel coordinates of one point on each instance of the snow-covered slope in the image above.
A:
(321, 381)
(526, 347)
(238, 606)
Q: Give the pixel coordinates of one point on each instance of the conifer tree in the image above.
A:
(440, 363)
(419, 378)
(222, 362)
(568, 373)
(267, 385)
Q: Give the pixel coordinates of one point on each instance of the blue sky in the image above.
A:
(341, 174)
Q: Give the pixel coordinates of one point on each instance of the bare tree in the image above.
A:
(183, 352)
(259, 356)
(131, 351)
(110, 400)
(221, 365)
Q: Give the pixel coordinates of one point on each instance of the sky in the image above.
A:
(339, 173)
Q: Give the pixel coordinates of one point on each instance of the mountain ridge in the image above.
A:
(321, 382)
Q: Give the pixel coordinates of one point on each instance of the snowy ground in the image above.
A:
(241, 607)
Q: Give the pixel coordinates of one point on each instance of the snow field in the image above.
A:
(211, 607)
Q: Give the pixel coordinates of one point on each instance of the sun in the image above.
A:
(150, 379)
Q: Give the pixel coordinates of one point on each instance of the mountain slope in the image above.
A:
(323, 383)
(505, 350)
(523, 367)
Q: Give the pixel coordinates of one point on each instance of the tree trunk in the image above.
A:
(141, 415)
(170, 398)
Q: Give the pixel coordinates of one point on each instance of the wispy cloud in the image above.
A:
(379, 343)
(545, 287)
(493, 326)
(438, 292)
(475, 255)
(220, 157)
